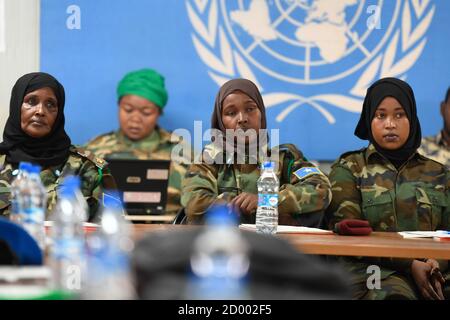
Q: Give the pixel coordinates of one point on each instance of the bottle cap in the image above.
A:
(34, 168)
(24, 166)
(268, 165)
(220, 215)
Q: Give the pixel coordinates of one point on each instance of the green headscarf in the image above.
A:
(146, 83)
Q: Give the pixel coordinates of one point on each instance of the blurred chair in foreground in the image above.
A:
(17, 247)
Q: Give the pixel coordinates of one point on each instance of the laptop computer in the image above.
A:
(142, 183)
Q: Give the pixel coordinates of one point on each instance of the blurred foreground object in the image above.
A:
(162, 266)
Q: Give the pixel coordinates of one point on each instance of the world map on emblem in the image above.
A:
(309, 41)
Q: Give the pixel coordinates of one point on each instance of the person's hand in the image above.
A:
(428, 278)
(436, 278)
(245, 202)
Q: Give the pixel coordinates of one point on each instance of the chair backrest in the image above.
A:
(180, 218)
(20, 243)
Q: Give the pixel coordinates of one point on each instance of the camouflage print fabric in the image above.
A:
(394, 287)
(206, 184)
(434, 147)
(157, 146)
(366, 186)
(93, 172)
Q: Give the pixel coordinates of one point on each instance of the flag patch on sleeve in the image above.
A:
(302, 173)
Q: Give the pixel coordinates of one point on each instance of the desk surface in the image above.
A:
(378, 244)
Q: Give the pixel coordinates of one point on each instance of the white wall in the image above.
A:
(19, 28)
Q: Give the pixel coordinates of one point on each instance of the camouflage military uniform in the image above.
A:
(206, 184)
(93, 172)
(435, 147)
(366, 186)
(157, 146)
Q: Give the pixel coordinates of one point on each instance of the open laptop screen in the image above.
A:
(143, 184)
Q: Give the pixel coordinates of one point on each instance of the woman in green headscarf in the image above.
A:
(142, 96)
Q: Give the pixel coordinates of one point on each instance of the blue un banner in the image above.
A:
(312, 59)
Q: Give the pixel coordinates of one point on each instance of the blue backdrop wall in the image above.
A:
(313, 60)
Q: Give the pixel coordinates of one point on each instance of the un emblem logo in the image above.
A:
(339, 47)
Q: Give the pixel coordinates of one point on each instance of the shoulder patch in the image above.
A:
(99, 162)
(305, 172)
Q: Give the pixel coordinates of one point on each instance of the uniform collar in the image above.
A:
(218, 154)
(372, 153)
(149, 143)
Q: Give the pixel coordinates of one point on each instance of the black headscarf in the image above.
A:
(245, 86)
(403, 93)
(50, 150)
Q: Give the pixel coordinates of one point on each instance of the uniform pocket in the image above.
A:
(430, 207)
(378, 209)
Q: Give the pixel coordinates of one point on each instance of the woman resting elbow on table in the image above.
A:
(35, 133)
(229, 169)
(395, 189)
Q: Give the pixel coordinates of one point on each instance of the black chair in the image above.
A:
(180, 218)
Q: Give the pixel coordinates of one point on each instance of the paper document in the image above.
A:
(289, 229)
(440, 234)
(88, 226)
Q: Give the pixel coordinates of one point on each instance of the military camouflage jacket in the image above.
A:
(367, 186)
(157, 146)
(303, 187)
(93, 172)
(434, 147)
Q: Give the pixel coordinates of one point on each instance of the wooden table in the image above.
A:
(378, 244)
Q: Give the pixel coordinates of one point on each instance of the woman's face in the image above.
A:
(239, 111)
(137, 116)
(38, 112)
(390, 125)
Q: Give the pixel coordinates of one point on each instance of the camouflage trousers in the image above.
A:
(395, 287)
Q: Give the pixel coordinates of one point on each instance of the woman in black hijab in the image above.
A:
(393, 188)
(228, 173)
(397, 151)
(34, 132)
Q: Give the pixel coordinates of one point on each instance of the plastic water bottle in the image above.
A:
(16, 185)
(68, 245)
(219, 261)
(267, 211)
(32, 203)
(109, 250)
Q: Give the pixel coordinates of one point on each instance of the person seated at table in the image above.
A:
(34, 132)
(142, 96)
(437, 147)
(230, 166)
(394, 188)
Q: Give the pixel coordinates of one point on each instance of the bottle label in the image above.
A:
(67, 249)
(33, 215)
(268, 200)
(14, 207)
